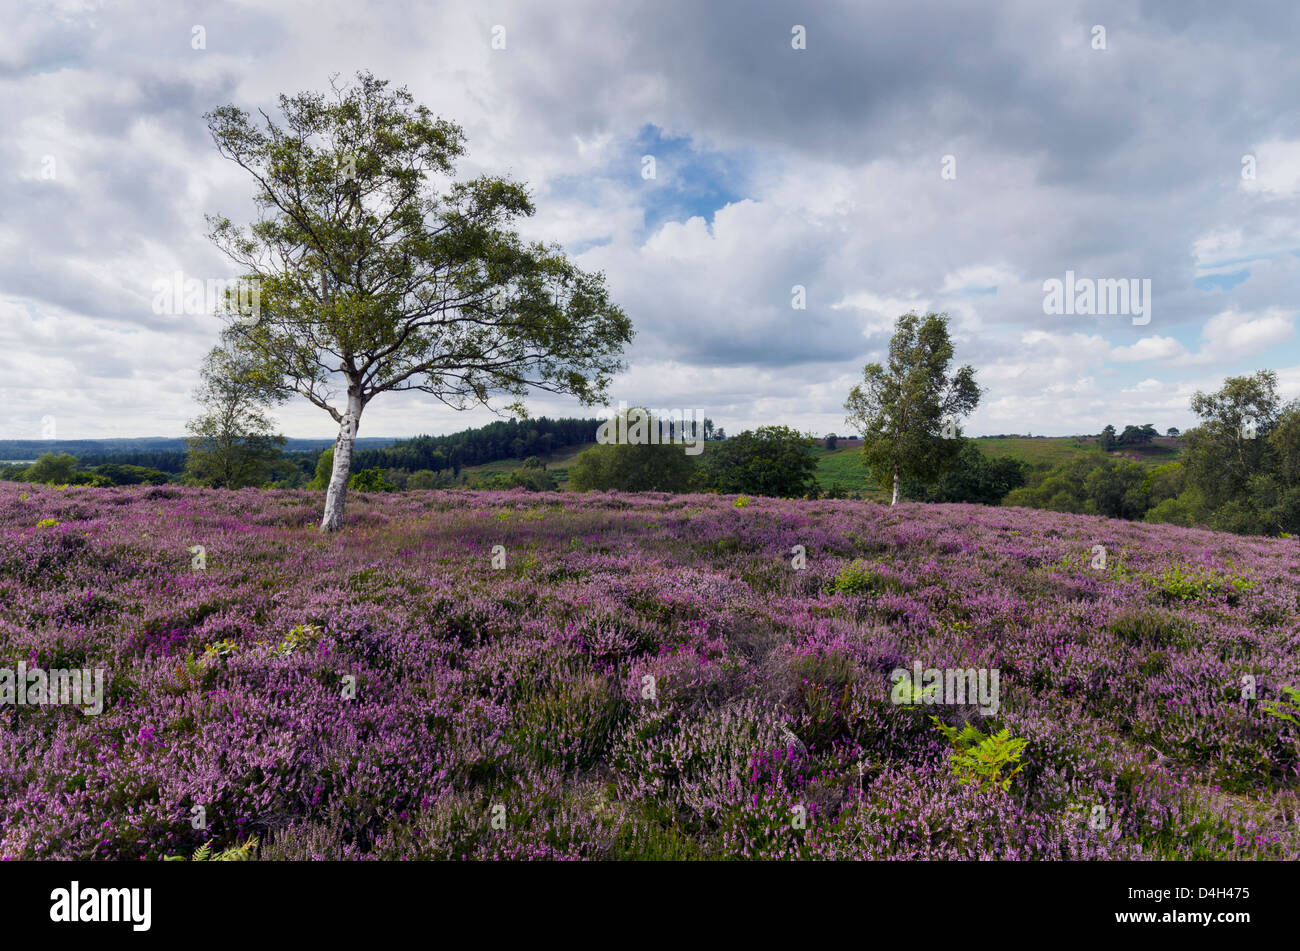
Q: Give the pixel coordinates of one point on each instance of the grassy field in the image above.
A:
(559, 463)
(843, 466)
(1052, 451)
(1055, 450)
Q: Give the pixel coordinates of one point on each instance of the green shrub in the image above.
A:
(979, 760)
(1288, 709)
(1193, 583)
(300, 638)
(204, 853)
(371, 480)
(633, 468)
(862, 577)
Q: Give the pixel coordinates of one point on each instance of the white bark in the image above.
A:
(337, 493)
(894, 502)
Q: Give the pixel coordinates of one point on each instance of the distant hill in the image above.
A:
(496, 442)
(843, 464)
(19, 449)
(559, 463)
(166, 453)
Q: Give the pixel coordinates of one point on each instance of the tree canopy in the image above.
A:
(376, 271)
(770, 460)
(232, 442)
(902, 409)
(634, 466)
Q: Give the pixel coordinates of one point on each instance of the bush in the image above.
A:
(371, 480)
(1093, 484)
(979, 760)
(975, 478)
(52, 469)
(324, 467)
(771, 460)
(115, 474)
(862, 577)
(1194, 583)
(428, 479)
(633, 468)
(530, 478)
(1186, 509)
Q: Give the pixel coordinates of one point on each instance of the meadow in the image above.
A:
(646, 676)
(559, 463)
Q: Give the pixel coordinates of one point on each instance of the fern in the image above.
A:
(979, 760)
(910, 691)
(298, 639)
(236, 853)
(220, 649)
(1285, 709)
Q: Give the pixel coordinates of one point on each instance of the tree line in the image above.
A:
(1239, 470)
(505, 439)
(376, 270)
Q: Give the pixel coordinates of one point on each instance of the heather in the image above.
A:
(649, 676)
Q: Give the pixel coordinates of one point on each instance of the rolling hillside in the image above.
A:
(641, 678)
(842, 466)
(559, 462)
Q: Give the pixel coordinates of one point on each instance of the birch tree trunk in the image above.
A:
(336, 494)
(894, 502)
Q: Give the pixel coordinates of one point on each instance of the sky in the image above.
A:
(865, 158)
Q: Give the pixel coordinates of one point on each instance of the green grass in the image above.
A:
(559, 463)
(843, 465)
(1055, 450)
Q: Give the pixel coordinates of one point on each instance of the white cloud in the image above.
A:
(1277, 170)
(1148, 348)
(840, 191)
(977, 277)
(1233, 336)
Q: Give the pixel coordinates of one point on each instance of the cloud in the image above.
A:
(1276, 170)
(776, 167)
(1148, 348)
(977, 278)
(1231, 336)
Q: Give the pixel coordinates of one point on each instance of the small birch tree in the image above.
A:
(902, 409)
(378, 272)
(232, 442)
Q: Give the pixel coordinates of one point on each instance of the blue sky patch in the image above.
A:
(1222, 282)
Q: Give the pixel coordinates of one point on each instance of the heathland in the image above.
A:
(639, 675)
